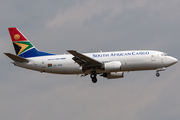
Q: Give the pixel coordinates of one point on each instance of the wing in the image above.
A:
(16, 58)
(85, 61)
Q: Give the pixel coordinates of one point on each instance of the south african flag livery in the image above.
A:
(23, 47)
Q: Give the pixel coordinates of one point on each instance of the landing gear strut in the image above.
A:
(160, 69)
(93, 76)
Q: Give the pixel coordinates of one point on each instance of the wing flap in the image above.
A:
(16, 58)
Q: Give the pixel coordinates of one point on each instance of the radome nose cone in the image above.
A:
(174, 60)
(170, 61)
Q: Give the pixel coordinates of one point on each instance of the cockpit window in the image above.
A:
(165, 54)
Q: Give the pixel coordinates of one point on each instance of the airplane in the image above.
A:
(110, 65)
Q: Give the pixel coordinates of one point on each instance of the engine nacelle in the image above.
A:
(113, 75)
(112, 66)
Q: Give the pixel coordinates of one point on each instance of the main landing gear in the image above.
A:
(93, 76)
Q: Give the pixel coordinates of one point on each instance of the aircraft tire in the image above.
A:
(94, 80)
(93, 75)
(157, 74)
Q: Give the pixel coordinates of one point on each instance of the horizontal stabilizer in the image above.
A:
(16, 58)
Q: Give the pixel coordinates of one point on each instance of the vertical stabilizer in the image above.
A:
(23, 47)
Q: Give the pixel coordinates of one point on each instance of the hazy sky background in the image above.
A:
(89, 26)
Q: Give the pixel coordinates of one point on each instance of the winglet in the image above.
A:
(16, 58)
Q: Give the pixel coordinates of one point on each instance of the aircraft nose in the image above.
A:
(174, 60)
(170, 61)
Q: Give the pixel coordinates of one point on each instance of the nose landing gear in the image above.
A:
(160, 69)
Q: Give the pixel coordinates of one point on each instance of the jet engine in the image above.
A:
(113, 75)
(112, 66)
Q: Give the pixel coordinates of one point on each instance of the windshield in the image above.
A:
(164, 54)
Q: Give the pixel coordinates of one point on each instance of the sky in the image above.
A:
(90, 26)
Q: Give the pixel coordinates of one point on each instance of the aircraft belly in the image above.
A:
(136, 66)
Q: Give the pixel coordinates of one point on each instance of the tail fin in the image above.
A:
(23, 47)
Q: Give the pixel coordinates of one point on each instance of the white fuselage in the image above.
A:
(130, 61)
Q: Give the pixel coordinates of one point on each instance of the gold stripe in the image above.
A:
(23, 46)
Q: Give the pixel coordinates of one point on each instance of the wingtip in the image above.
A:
(70, 50)
(6, 53)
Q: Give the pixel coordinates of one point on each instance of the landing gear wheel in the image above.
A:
(157, 74)
(94, 80)
(93, 76)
